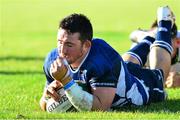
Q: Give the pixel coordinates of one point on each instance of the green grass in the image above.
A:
(28, 31)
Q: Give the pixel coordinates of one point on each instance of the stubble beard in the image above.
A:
(77, 60)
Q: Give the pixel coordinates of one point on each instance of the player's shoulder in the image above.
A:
(52, 55)
(102, 49)
(102, 56)
(100, 45)
(99, 41)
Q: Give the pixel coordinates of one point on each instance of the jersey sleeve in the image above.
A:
(105, 63)
(47, 64)
(106, 76)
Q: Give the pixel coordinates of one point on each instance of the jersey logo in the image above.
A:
(82, 76)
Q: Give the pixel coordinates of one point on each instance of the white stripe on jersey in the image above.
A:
(121, 87)
(133, 93)
(157, 89)
(136, 97)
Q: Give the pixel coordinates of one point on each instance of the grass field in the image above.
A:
(28, 32)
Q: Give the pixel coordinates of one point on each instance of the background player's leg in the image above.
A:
(160, 54)
(138, 54)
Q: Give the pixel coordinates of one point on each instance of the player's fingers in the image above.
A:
(51, 69)
(55, 96)
(169, 82)
(59, 61)
(52, 93)
(60, 64)
(56, 85)
(56, 66)
(53, 66)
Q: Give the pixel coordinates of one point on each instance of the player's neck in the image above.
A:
(80, 60)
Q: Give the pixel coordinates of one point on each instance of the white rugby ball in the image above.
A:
(63, 105)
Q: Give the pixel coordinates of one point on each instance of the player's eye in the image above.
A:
(69, 45)
(60, 42)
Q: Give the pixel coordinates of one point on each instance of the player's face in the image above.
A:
(70, 47)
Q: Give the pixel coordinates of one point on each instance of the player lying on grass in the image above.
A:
(95, 77)
(173, 79)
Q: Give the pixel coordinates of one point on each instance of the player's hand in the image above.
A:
(59, 71)
(52, 88)
(173, 80)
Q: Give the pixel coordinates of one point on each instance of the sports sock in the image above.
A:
(163, 38)
(141, 50)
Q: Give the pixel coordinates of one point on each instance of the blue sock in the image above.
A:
(163, 37)
(141, 50)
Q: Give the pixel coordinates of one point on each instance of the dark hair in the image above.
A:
(78, 23)
(173, 30)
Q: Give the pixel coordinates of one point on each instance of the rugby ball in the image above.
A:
(63, 105)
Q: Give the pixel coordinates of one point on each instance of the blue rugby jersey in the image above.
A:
(104, 67)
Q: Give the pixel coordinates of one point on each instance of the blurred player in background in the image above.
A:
(173, 80)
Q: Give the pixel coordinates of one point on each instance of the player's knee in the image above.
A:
(130, 58)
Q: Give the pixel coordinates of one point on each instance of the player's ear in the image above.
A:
(87, 44)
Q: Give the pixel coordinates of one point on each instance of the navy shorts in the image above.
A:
(152, 78)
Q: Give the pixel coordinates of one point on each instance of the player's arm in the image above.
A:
(100, 99)
(49, 89)
(42, 102)
(50, 92)
(173, 79)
